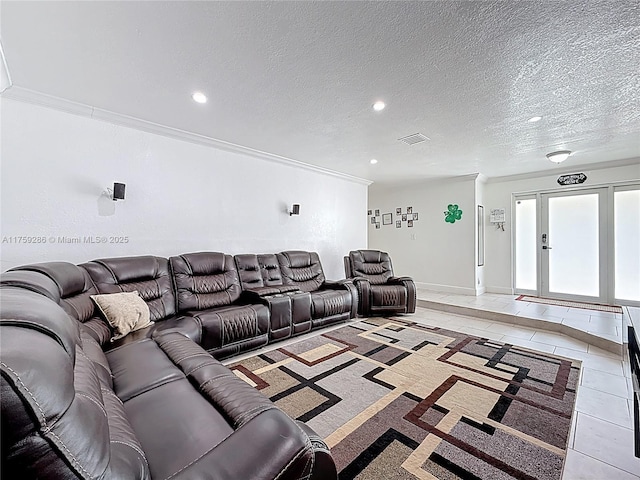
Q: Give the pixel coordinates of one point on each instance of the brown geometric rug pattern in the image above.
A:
(571, 304)
(398, 400)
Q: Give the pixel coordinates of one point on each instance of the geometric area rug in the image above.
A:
(398, 400)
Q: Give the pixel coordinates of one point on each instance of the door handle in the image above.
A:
(545, 247)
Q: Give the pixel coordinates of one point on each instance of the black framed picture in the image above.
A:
(409, 209)
(377, 225)
(387, 219)
(415, 216)
(404, 217)
(398, 211)
(373, 220)
(369, 213)
(377, 213)
(410, 223)
(398, 223)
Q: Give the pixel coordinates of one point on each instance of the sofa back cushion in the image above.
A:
(55, 421)
(249, 271)
(373, 265)
(34, 281)
(205, 280)
(257, 271)
(147, 274)
(74, 290)
(270, 269)
(302, 269)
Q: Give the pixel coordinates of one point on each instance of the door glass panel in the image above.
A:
(627, 244)
(526, 273)
(574, 241)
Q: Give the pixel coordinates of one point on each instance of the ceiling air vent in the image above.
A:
(413, 139)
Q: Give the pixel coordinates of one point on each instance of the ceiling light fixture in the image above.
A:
(199, 97)
(379, 106)
(559, 156)
(373, 161)
(534, 119)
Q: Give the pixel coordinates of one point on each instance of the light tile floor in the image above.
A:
(602, 330)
(601, 439)
(600, 444)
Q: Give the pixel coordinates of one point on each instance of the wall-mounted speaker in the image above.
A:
(118, 191)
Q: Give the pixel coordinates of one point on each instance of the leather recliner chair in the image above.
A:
(379, 291)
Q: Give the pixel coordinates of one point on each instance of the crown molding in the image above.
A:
(26, 95)
(403, 185)
(585, 167)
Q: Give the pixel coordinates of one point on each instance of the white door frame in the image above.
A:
(608, 289)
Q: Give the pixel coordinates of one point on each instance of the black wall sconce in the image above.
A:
(118, 191)
(295, 209)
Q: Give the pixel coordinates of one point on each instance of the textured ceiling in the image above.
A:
(298, 79)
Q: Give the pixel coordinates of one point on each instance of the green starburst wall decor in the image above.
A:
(452, 214)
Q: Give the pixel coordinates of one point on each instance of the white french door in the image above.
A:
(582, 244)
(573, 245)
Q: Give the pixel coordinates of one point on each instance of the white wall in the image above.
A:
(180, 196)
(438, 255)
(498, 194)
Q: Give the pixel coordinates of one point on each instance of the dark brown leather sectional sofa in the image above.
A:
(157, 404)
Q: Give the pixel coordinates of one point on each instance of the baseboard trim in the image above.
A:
(447, 288)
(502, 290)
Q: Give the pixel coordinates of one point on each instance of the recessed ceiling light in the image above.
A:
(373, 161)
(199, 97)
(559, 156)
(379, 105)
(534, 119)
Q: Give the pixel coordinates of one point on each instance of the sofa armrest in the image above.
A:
(345, 284)
(399, 279)
(335, 284)
(363, 287)
(249, 453)
(409, 284)
(255, 295)
(324, 466)
(188, 326)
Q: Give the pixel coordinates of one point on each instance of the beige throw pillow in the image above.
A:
(126, 312)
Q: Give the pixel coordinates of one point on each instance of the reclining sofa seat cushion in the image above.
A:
(379, 290)
(240, 448)
(150, 277)
(75, 288)
(208, 290)
(261, 281)
(59, 419)
(330, 301)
